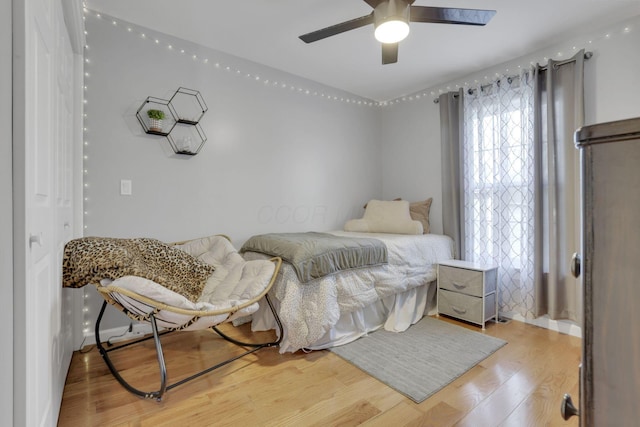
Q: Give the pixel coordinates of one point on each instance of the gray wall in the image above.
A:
(276, 159)
(411, 156)
(612, 80)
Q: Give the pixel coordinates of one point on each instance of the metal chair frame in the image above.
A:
(108, 292)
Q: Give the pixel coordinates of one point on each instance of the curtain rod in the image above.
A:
(587, 55)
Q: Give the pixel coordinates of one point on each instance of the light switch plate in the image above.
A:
(125, 187)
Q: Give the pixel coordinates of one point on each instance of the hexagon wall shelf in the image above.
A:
(188, 106)
(156, 127)
(186, 138)
(182, 114)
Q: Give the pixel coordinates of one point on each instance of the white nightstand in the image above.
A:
(468, 291)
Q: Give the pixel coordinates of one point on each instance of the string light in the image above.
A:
(86, 329)
(590, 41)
(238, 72)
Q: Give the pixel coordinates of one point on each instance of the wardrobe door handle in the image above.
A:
(568, 409)
(575, 265)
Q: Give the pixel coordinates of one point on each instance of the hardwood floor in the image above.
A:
(520, 385)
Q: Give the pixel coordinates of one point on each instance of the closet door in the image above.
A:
(43, 207)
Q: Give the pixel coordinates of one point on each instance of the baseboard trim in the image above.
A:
(563, 326)
(140, 329)
(121, 333)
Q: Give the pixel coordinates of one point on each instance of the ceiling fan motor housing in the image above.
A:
(392, 12)
(391, 22)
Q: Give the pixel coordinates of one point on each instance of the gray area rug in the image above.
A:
(423, 359)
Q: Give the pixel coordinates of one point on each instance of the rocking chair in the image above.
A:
(239, 286)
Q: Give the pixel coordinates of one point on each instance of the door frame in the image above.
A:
(6, 217)
(18, 14)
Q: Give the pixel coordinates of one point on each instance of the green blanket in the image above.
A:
(90, 259)
(314, 255)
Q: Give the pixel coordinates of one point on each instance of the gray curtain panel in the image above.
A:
(451, 114)
(559, 111)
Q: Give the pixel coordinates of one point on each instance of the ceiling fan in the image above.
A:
(391, 20)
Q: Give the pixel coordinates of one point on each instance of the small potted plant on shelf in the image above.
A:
(155, 120)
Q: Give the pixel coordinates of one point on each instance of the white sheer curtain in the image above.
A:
(498, 187)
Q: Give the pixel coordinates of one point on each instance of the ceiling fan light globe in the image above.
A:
(391, 31)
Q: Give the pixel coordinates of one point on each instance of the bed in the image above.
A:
(342, 306)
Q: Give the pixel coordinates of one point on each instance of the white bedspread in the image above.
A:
(309, 310)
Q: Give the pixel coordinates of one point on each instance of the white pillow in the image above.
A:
(386, 217)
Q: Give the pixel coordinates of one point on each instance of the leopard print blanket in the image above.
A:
(90, 259)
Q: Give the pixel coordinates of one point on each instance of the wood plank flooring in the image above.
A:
(520, 385)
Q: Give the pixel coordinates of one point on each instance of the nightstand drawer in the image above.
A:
(460, 280)
(466, 307)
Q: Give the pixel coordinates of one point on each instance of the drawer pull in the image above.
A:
(459, 310)
(458, 285)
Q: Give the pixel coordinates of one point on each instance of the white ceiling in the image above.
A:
(266, 31)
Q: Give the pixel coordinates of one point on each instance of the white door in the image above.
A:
(43, 106)
(40, 214)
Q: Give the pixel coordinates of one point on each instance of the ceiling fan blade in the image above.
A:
(373, 3)
(448, 15)
(337, 29)
(389, 53)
